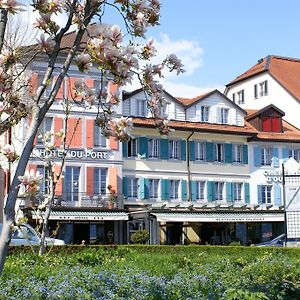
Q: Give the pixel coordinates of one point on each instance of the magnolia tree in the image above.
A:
(105, 49)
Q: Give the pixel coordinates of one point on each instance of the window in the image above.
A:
(200, 187)
(153, 188)
(266, 156)
(219, 187)
(241, 97)
(71, 183)
(255, 91)
(141, 108)
(132, 188)
(224, 112)
(46, 126)
(174, 189)
(204, 113)
(49, 86)
(100, 181)
(238, 153)
(200, 151)
(132, 148)
(99, 139)
(174, 149)
(263, 88)
(237, 191)
(44, 183)
(266, 194)
(271, 124)
(153, 148)
(233, 97)
(219, 152)
(295, 153)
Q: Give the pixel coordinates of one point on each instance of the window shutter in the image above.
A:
(257, 158)
(113, 143)
(255, 91)
(247, 192)
(183, 150)
(58, 125)
(233, 97)
(266, 87)
(277, 194)
(285, 154)
(228, 153)
(192, 150)
(125, 149)
(275, 160)
(193, 190)
(259, 194)
(125, 192)
(245, 154)
(209, 152)
(96, 181)
(165, 186)
(113, 178)
(164, 149)
(89, 138)
(90, 181)
(146, 188)
(142, 188)
(143, 147)
(210, 191)
(59, 184)
(229, 188)
(183, 190)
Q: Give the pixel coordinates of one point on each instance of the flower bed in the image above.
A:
(149, 272)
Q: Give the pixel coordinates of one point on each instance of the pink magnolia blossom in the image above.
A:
(47, 45)
(12, 6)
(9, 152)
(31, 181)
(84, 62)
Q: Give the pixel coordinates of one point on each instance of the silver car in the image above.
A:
(25, 235)
(276, 242)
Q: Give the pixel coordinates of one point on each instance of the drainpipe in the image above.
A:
(188, 166)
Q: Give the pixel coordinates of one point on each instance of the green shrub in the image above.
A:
(140, 237)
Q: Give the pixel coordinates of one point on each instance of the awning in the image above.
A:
(69, 215)
(219, 216)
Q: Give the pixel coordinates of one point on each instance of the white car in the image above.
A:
(25, 235)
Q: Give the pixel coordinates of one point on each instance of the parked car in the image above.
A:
(25, 235)
(276, 242)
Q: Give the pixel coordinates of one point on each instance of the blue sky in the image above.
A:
(219, 39)
(227, 36)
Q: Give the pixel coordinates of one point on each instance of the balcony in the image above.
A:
(78, 200)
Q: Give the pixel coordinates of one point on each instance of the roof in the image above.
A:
(285, 70)
(252, 113)
(247, 129)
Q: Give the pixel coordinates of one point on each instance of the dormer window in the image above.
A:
(141, 107)
(224, 112)
(271, 124)
(204, 113)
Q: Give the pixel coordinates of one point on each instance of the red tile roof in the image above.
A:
(285, 70)
(189, 101)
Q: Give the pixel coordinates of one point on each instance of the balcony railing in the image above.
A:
(79, 200)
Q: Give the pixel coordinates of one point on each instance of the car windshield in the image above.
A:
(22, 232)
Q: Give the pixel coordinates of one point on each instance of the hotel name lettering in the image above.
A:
(276, 175)
(81, 154)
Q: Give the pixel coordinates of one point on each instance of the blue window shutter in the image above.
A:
(275, 159)
(229, 188)
(277, 194)
(210, 191)
(183, 150)
(165, 186)
(228, 153)
(183, 190)
(142, 188)
(209, 152)
(143, 147)
(164, 149)
(245, 154)
(125, 149)
(259, 195)
(257, 157)
(285, 154)
(193, 190)
(146, 188)
(125, 193)
(247, 192)
(192, 150)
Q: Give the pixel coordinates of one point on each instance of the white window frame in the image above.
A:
(100, 141)
(219, 151)
(219, 190)
(141, 107)
(200, 151)
(153, 148)
(266, 156)
(237, 191)
(224, 115)
(102, 187)
(204, 113)
(238, 153)
(266, 196)
(263, 88)
(132, 148)
(295, 153)
(174, 149)
(132, 188)
(46, 125)
(154, 188)
(200, 189)
(174, 189)
(241, 97)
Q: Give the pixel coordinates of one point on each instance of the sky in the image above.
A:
(217, 40)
